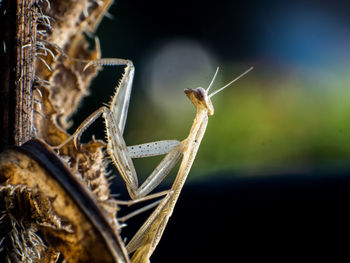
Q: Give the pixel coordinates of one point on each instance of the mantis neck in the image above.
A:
(191, 145)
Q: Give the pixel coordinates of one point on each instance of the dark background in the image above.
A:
(280, 218)
(236, 216)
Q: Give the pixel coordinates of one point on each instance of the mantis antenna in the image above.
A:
(212, 81)
(228, 84)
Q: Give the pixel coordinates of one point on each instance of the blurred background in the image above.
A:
(271, 175)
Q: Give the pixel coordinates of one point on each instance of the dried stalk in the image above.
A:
(40, 88)
(17, 57)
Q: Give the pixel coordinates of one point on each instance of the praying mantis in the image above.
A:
(148, 236)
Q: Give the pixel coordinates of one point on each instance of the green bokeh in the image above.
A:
(264, 125)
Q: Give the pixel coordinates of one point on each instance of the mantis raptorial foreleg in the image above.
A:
(115, 118)
(146, 239)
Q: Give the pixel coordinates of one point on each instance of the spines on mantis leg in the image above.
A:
(119, 104)
(121, 99)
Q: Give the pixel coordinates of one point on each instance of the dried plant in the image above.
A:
(41, 198)
(37, 224)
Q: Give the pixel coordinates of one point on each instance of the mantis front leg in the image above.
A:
(121, 157)
(115, 118)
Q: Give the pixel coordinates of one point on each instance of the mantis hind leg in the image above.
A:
(147, 237)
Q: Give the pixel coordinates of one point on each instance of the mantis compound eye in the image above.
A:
(200, 99)
(198, 95)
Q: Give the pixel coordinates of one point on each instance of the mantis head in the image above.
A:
(200, 97)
